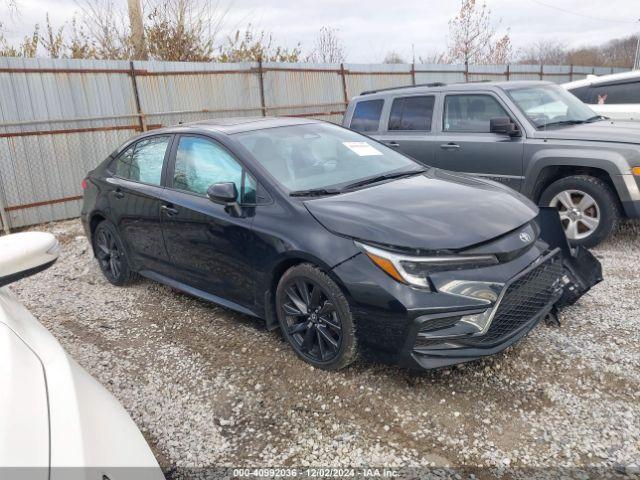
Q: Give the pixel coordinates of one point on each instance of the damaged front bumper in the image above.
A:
(553, 281)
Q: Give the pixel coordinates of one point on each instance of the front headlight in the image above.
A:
(413, 270)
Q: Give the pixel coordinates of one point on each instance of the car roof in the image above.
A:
(595, 79)
(440, 87)
(231, 125)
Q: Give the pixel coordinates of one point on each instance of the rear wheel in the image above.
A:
(315, 318)
(588, 208)
(110, 253)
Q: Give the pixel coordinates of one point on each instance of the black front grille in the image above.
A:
(524, 298)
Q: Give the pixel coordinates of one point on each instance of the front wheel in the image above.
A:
(109, 251)
(315, 318)
(588, 209)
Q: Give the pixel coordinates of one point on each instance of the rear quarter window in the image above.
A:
(366, 116)
(411, 113)
(615, 94)
(583, 93)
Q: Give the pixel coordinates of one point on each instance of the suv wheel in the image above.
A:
(315, 318)
(588, 208)
(109, 251)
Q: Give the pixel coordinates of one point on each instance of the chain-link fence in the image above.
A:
(59, 118)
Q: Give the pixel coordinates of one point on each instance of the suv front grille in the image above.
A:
(524, 298)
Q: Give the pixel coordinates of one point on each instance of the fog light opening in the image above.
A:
(478, 321)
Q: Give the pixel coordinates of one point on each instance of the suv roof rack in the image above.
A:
(432, 84)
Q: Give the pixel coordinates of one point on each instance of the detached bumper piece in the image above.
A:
(581, 270)
(556, 280)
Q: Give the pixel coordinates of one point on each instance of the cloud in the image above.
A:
(371, 28)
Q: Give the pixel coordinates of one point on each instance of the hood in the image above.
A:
(603, 131)
(437, 210)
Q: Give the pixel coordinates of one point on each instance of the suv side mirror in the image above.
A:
(25, 254)
(225, 193)
(504, 125)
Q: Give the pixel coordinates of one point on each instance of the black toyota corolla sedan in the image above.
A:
(347, 245)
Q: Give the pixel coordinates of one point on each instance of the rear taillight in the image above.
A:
(84, 184)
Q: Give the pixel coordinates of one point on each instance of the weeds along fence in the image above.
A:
(60, 117)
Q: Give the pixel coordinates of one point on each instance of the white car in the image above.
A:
(615, 96)
(56, 421)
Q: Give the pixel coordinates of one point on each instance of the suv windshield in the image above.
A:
(551, 105)
(323, 158)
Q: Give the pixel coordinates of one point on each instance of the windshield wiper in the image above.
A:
(380, 178)
(562, 122)
(596, 118)
(314, 192)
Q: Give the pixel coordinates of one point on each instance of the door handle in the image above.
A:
(169, 210)
(393, 143)
(450, 146)
(118, 193)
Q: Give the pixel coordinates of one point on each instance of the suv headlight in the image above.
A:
(413, 270)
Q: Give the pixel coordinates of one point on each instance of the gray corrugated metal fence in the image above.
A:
(59, 118)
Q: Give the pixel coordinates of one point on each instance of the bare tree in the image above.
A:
(184, 30)
(106, 27)
(620, 52)
(328, 47)
(53, 40)
(434, 57)
(473, 38)
(543, 52)
(252, 46)
(393, 57)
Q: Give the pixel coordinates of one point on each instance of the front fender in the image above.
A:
(613, 162)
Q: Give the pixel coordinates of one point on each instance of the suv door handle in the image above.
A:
(118, 193)
(450, 146)
(169, 210)
(393, 143)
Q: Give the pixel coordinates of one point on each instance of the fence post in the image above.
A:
(263, 105)
(508, 72)
(413, 74)
(571, 72)
(4, 220)
(541, 71)
(345, 94)
(466, 71)
(136, 95)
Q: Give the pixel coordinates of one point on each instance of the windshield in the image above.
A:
(321, 156)
(549, 105)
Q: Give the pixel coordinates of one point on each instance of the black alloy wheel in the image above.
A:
(109, 251)
(315, 318)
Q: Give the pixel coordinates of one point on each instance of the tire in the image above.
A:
(589, 210)
(109, 251)
(311, 321)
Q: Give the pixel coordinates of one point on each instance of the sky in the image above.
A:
(371, 28)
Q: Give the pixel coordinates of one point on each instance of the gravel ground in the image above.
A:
(208, 386)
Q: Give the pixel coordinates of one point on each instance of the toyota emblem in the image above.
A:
(525, 237)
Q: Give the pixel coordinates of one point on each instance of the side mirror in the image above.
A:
(25, 254)
(225, 193)
(504, 126)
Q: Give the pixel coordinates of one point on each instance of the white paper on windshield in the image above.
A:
(362, 149)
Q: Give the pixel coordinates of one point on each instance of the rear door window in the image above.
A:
(143, 161)
(411, 113)
(366, 116)
(619, 93)
(470, 113)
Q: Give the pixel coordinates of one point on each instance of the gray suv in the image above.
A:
(533, 136)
